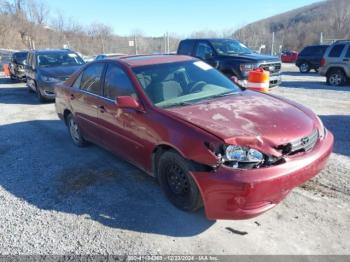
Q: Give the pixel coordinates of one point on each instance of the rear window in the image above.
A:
(336, 51)
(186, 47)
(20, 57)
(314, 50)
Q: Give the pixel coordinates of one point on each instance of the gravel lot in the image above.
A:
(59, 199)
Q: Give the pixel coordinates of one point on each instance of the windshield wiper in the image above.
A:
(223, 94)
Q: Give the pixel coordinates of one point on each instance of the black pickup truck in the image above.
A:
(231, 57)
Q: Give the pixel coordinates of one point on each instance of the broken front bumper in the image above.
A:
(242, 194)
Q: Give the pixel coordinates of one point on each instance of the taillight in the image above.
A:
(323, 62)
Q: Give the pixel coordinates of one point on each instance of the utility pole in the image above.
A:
(168, 42)
(321, 38)
(273, 43)
(135, 44)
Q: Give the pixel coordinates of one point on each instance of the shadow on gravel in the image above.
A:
(313, 85)
(292, 73)
(339, 125)
(40, 165)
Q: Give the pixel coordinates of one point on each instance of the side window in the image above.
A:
(336, 51)
(91, 78)
(203, 50)
(186, 47)
(77, 81)
(348, 53)
(117, 83)
(306, 51)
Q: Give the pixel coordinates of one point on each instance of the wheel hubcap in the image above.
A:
(304, 67)
(177, 180)
(74, 130)
(335, 79)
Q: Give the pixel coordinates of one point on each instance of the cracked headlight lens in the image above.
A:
(243, 154)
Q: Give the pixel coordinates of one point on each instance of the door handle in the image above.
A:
(102, 109)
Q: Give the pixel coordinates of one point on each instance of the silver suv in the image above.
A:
(335, 64)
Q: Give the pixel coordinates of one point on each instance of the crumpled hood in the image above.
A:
(249, 115)
(60, 71)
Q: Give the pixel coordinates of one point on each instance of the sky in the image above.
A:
(155, 17)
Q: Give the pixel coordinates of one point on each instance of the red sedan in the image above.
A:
(208, 142)
(289, 56)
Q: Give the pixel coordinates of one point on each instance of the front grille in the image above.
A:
(300, 145)
(271, 67)
(62, 78)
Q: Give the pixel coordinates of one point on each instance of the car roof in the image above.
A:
(316, 46)
(143, 60)
(208, 39)
(41, 51)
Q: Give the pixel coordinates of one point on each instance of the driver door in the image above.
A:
(123, 130)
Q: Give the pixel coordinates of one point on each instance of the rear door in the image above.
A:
(336, 54)
(85, 99)
(346, 60)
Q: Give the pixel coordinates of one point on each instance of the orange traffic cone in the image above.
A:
(6, 69)
(259, 80)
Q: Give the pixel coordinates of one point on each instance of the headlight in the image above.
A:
(248, 67)
(243, 157)
(322, 130)
(49, 79)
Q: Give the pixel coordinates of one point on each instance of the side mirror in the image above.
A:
(208, 56)
(128, 102)
(234, 79)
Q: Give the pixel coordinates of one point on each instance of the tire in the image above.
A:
(39, 95)
(336, 78)
(316, 69)
(74, 131)
(30, 90)
(176, 182)
(304, 67)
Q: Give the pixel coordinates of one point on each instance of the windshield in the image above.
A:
(59, 59)
(229, 47)
(183, 83)
(20, 57)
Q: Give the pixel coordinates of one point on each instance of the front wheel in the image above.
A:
(74, 131)
(176, 182)
(336, 78)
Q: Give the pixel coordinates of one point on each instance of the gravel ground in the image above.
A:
(59, 199)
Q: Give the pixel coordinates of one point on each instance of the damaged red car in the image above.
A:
(210, 143)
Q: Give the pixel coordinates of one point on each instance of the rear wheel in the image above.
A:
(304, 67)
(176, 182)
(74, 131)
(336, 78)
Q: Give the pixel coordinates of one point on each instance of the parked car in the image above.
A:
(106, 56)
(289, 56)
(17, 66)
(310, 58)
(232, 58)
(46, 68)
(335, 64)
(206, 140)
